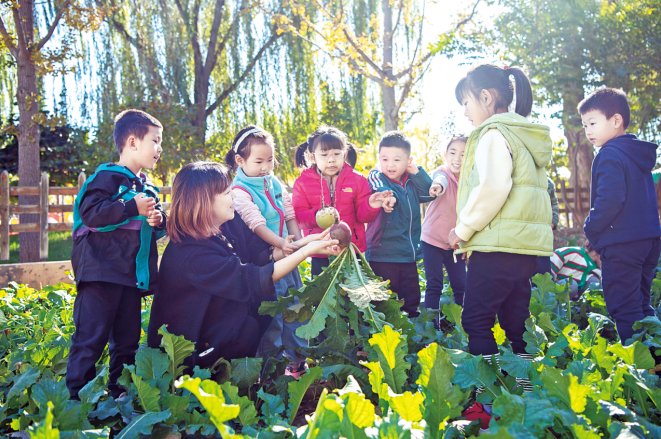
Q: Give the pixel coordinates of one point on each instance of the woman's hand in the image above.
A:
(312, 237)
(322, 247)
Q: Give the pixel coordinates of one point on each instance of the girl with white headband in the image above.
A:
(265, 206)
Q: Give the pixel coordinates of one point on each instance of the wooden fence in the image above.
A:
(52, 199)
(567, 197)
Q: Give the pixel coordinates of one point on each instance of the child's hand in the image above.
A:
(288, 246)
(412, 168)
(435, 190)
(454, 239)
(145, 204)
(377, 199)
(155, 219)
(389, 204)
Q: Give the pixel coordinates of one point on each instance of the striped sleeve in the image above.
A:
(374, 179)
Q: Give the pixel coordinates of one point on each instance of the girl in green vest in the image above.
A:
(503, 208)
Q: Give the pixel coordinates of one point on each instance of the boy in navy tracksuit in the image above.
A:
(117, 217)
(623, 224)
(393, 238)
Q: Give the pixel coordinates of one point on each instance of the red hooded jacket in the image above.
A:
(352, 194)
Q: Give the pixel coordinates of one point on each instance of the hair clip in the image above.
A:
(245, 135)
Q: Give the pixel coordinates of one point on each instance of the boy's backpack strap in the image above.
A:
(138, 222)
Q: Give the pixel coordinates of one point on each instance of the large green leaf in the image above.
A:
(245, 371)
(298, 388)
(509, 408)
(248, 412)
(566, 388)
(474, 371)
(442, 398)
(148, 396)
(46, 430)
(22, 382)
(359, 286)
(177, 349)
(391, 349)
(151, 364)
(636, 354)
(212, 399)
(143, 424)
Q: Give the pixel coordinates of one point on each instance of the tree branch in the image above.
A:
(249, 67)
(363, 55)
(7, 39)
(53, 25)
(211, 59)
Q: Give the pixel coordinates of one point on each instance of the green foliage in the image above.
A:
(585, 382)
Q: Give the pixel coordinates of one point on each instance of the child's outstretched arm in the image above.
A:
(421, 181)
(365, 207)
(494, 166)
(439, 184)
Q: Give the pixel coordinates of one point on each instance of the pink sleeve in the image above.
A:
(289, 207)
(305, 213)
(364, 212)
(250, 213)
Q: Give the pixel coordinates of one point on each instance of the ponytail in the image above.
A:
(299, 157)
(352, 155)
(497, 80)
(523, 91)
(230, 159)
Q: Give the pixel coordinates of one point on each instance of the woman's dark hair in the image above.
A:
(497, 80)
(193, 192)
(325, 138)
(243, 141)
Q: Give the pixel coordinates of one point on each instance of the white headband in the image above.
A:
(244, 137)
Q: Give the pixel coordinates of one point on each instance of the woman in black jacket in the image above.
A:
(215, 272)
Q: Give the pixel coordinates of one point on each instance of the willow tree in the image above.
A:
(184, 58)
(25, 30)
(390, 51)
(571, 47)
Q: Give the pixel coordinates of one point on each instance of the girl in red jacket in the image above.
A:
(330, 180)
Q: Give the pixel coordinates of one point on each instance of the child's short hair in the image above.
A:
(243, 142)
(395, 139)
(193, 192)
(132, 123)
(609, 101)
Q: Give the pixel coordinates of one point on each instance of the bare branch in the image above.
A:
(53, 25)
(135, 41)
(363, 55)
(7, 39)
(249, 67)
(467, 19)
(211, 59)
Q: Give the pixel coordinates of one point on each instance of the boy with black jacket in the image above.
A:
(117, 217)
(393, 238)
(623, 224)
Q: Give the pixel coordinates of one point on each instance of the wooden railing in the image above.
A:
(62, 198)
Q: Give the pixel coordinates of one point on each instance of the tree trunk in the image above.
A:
(580, 155)
(389, 103)
(28, 129)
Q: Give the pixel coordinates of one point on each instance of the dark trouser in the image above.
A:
(317, 264)
(434, 259)
(103, 312)
(628, 270)
(403, 277)
(497, 284)
(543, 265)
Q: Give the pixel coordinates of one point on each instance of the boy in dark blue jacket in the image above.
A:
(623, 224)
(393, 238)
(117, 217)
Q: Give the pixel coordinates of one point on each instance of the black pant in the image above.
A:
(403, 277)
(543, 265)
(497, 284)
(103, 312)
(627, 273)
(317, 264)
(434, 259)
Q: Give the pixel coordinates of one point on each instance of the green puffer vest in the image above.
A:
(523, 224)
